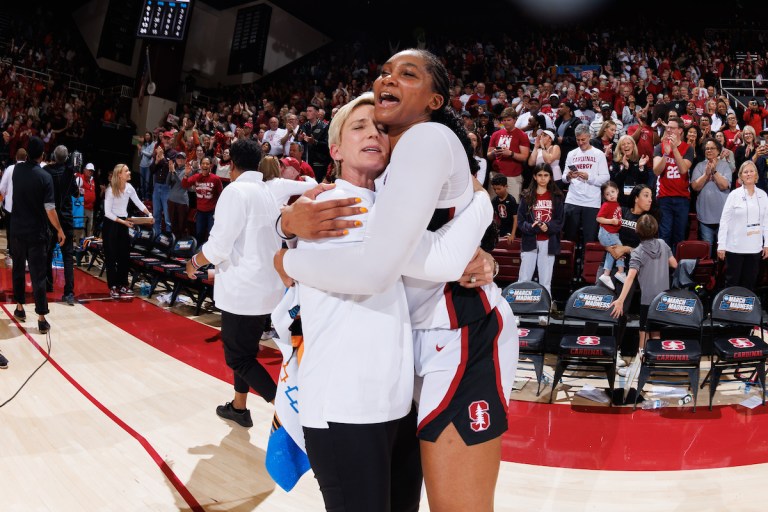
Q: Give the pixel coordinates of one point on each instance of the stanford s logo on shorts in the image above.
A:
(588, 340)
(741, 343)
(479, 419)
(672, 345)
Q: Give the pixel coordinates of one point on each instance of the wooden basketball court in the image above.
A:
(122, 417)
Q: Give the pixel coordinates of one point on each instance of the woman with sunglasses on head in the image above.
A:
(465, 341)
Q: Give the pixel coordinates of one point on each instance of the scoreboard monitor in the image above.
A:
(164, 19)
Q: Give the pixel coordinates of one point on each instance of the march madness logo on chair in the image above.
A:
(673, 345)
(737, 303)
(479, 418)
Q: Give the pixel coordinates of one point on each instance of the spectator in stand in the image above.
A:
(314, 135)
(296, 152)
(540, 218)
(732, 132)
(584, 112)
(116, 224)
(160, 175)
(586, 170)
(711, 179)
(605, 139)
(672, 160)
(65, 188)
(692, 138)
(34, 212)
(743, 234)
(482, 163)
(224, 165)
(606, 113)
(609, 218)
(478, 98)
(146, 151)
(208, 188)
(754, 115)
(705, 125)
(628, 168)
(565, 131)
(178, 197)
(747, 150)
(291, 134)
(508, 150)
(726, 154)
(274, 136)
(545, 151)
(531, 121)
(87, 186)
(504, 208)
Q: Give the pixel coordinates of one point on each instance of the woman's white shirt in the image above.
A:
(744, 222)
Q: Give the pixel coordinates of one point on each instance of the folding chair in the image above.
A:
(668, 357)
(588, 350)
(164, 272)
(737, 310)
(529, 299)
(142, 264)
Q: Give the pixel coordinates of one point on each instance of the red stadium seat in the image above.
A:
(594, 258)
(693, 227)
(508, 257)
(706, 268)
(565, 266)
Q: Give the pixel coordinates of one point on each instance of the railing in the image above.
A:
(742, 87)
(81, 87)
(124, 91)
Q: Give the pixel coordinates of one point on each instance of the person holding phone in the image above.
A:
(586, 171)
(509, 149)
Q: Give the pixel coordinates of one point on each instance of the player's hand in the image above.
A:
(479, 271)
(278, 263)
(311, 220)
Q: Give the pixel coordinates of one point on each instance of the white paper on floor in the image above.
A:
(752, 402)
(594, 394)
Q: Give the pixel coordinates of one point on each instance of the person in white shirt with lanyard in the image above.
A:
(743, 235)
(117, 242)
(465, 338)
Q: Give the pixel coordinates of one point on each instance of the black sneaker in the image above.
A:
(69, 299)
(43, 326)
(3, 362)
(20, 314)
(228, 412)
(125, 292)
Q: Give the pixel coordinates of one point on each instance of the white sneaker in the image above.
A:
(606, 280)
(543, 320)
(620, 362)
(623, 371)
(517, 321)
(268, 335)
(620, 277)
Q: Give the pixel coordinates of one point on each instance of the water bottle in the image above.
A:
(654, 404)
(685, 400)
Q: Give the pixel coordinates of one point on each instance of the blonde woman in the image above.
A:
(115, 230)
(628, 168)
(545, 151)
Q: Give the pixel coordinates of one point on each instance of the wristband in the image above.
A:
(495, 268)
(280, 231)
(194, 262)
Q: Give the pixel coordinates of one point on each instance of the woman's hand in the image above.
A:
(128, 223)
(311, 220)
(190, 270)
(278, 263)
(618, 251)
(479, 271)
(765, 252)
(618, 308)
(721, 254)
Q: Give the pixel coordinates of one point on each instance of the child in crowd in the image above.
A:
(504, 208)
(650, 263)
(609, 218)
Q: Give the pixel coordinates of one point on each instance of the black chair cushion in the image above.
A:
(588, 346)
(531, 340)
(673, 351)
(750, 347)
